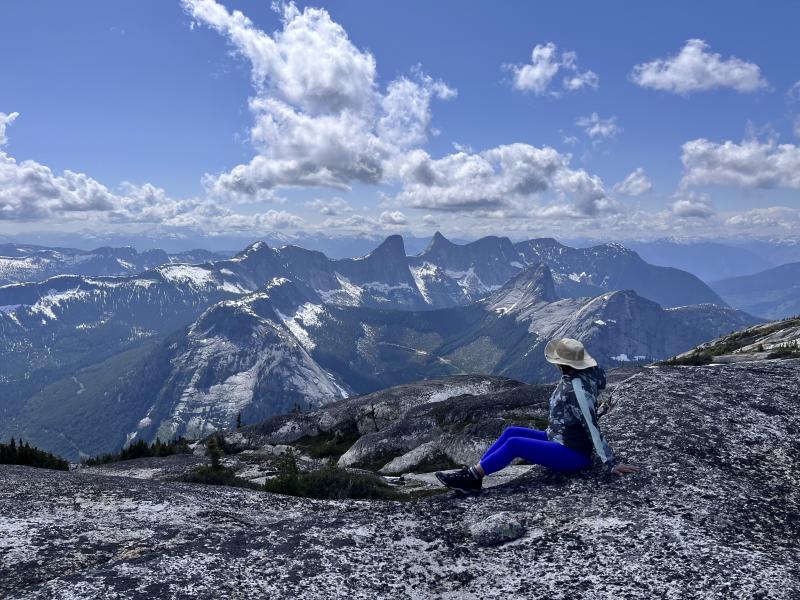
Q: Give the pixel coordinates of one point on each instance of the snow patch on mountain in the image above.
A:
(348, 294)
(199, 277)
(470, 283)
(55, 300)
(475, 389)
(306, 316)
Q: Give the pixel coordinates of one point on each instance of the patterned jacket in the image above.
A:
(573, 415)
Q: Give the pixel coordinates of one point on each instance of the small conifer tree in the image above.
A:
(214, 452)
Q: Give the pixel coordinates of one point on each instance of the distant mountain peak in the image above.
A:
(391, 247)
(537, 281)
(618, 248)
(438, 242)
(533, 285)
(255, 247)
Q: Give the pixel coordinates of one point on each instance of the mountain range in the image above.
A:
(26, 262)
(183, 349)
(772, 294)
(710, 261)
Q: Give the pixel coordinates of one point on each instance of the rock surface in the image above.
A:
(714, 513)
(496, 529)
(767, 341)
(446, 422)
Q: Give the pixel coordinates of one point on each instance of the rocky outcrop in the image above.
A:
(767, 341)
(496, 529)
(714, 513)
(402, 429)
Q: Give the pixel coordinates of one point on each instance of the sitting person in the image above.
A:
(572, 433)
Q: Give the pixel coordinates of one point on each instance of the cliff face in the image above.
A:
(714, 513)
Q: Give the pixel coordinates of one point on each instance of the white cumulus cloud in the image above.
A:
(750, 164)
(635, 184)
(331, 207)
(394, 217)
(5, 120)
(691, 205)
(597, 128)
(695, 69)
(498, 177)
(546, 62)
(320, 117)
(772, 219)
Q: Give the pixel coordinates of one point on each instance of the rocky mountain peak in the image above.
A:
(438, 242)
(254, 248)
(533, 285)
(391, 248)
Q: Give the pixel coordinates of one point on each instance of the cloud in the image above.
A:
(772, 219)
(751, 164)
(29, 191)
(635, 184)
(689, 205)
(498, 177)
(320, 118)
(569, 140)
(695, 69)
(546, 62)
(331, 207)
(793, 95)
(793, 100)
(5, 120)
(393, 218)
(597, 128)
(429, 220)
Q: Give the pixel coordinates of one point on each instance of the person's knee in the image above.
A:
(515, 431)
(517, 444)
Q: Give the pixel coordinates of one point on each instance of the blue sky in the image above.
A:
(147, 116)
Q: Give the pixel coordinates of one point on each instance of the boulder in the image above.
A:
(496, 529)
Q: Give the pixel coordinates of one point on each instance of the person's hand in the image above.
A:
(622, 470)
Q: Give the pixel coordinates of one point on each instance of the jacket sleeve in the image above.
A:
(589, 417)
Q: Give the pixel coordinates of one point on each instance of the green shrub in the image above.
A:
(695, 359)
(21, 453)
(785, 352)
(208, 475)
(328, 444)
(329, 482)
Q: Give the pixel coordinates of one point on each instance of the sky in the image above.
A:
(204, 119)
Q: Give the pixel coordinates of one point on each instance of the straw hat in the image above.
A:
(566, 351)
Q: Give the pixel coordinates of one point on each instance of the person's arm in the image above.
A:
(589, 415)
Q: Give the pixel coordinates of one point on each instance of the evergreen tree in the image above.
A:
(214, 452)
(22, 453)
(239, 420)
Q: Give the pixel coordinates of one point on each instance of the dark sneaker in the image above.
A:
(463, 481)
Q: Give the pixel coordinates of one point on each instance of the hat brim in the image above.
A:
(551, 356)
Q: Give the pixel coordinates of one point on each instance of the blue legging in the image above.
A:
(533, 446)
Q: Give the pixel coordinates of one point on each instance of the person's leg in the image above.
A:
(532, 445)
(551, 455)
(515, 431)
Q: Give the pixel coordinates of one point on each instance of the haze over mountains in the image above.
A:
(182, 349)
(772, 294)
